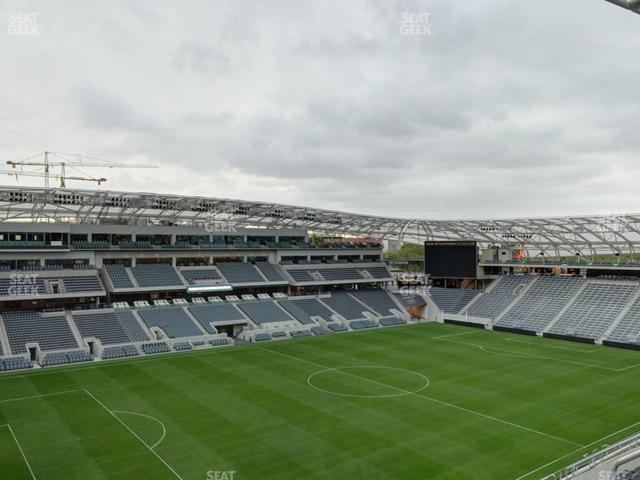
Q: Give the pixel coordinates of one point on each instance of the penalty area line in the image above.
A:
(164, 462)
(24, 457)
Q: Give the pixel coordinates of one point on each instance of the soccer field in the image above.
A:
(427, 401)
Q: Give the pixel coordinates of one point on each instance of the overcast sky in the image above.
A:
(501, 108)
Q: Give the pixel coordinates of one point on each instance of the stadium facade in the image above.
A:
(101, 275)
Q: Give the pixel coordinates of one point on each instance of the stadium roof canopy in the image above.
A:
(551, 236)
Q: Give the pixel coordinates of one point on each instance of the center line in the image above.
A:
(435, 400)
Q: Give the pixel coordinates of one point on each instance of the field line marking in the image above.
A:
(577, 350)
(432, 399)
(540, 357)
(15, 439)
(438, 337)
(164, 356)
(6, 400)
(164, 462)
(164, 429)
(576, 451)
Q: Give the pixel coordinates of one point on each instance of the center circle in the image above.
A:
(402, 381)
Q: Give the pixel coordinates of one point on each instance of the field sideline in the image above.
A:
(425, 401)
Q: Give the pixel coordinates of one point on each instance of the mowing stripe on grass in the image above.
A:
(576, 451)
(15, 439)
(500, 351)
(432, 399)
(164, 429)
(557, 347)
(6, 400)
(164, 462)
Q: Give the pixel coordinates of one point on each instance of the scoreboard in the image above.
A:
(451, 259)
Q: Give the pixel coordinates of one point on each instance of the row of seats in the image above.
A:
(541, 303)
(213, 313)
(503, 292)
(48, 268)
(121, 351)
(452, 300)
(338, 274)
(14, 363)
(156, 347)
(50, 332)
(236, 273)
(200, 275)
(111, 327)
(173, 321)
(361, 324)
(594, 310)
(125, 326)
(156, 275)
(571, 306)
(347, 306)
(65, 358)
(628, 330)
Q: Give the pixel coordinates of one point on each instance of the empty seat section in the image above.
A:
(387, 322)
(240, 272)
(120, 352)
(104, 326)
(50, 332)
(452, 300)
(362, 324)
(22, 285)
(156, 275)
(174, 321)
(628, 330)
(337, 327)
(201, 276)
(301, 275)
(207, 314)
(492, 303)
(346, 306)
(118, 276)
(541, 303)
(157, 347)
(264, 312)
(64, 358)
(340, 274)
(132, 327)
(314, 308)
(270, 271)
(299, 313)
(379, 272)
(88, 283)
(14, 363)
(300, 333)
(594, 310)
(377, 300)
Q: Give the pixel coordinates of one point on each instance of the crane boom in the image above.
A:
(56, 176)
(14, 164)
(46, 166)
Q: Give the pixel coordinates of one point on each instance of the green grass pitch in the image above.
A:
(427, 401)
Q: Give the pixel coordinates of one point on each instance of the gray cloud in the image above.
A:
(509, 108)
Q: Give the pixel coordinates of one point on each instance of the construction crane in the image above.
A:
(46, 165)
